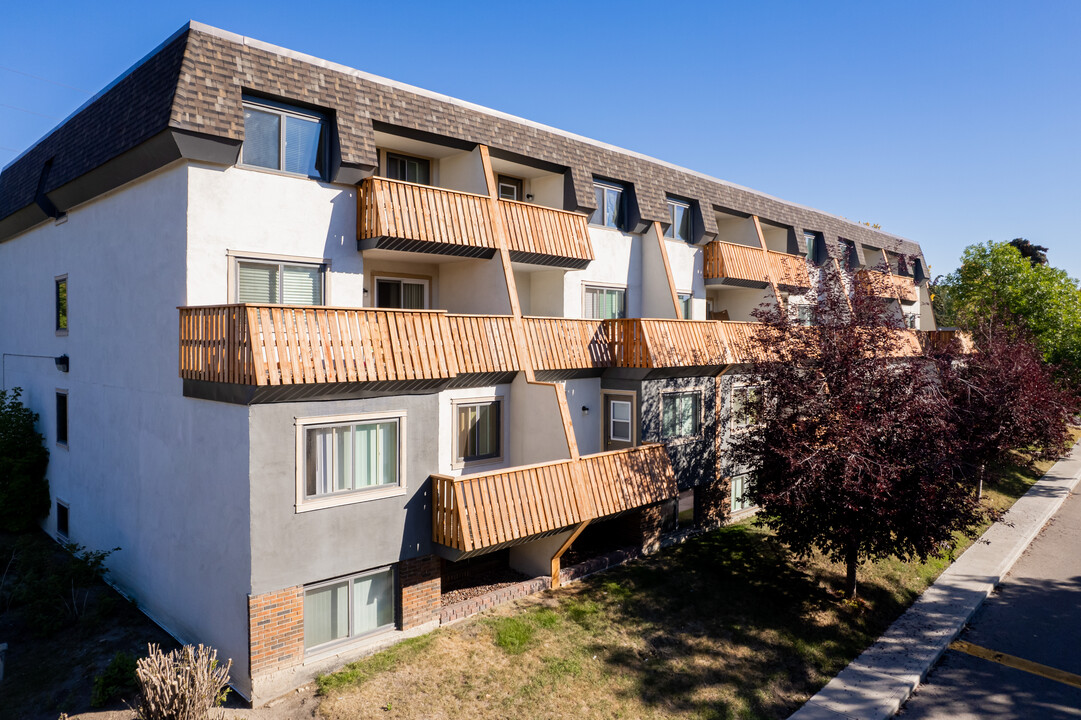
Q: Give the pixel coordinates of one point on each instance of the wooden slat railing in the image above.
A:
(566, 344)
(642, 343)
(789, 270)
(473, 512)
(876, 283)
(745, 343)
(542, 230)
(484, 343)
(630, 478)
(399, 209)
(906, 288)
(295, 345)
(728, 260)
(939, 340)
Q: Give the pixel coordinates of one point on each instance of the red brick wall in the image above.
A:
(276, 629)
(712, 503)
(421, 586)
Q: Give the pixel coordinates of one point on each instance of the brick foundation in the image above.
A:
(276, 629)
(712, 504)
(421, 591)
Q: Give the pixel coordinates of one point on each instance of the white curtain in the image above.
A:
(326, 614)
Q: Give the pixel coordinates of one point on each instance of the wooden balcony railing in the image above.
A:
(790, 270)
(641, 343)
(933, 341)
(725, 260)
(287, 345)
(483, 343)
(567, 344)
(906, 288)
(546, 235)
(479, 511)
(447, 220)
(744, 343)
(885, 285)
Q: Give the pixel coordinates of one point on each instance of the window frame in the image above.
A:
(688, 209)
(629, 401)
(685, 299)
(424, 280)
(388, 154)
(285, 110)
(699, 419)
(64, 534)
(513, 182)
(602, 208)
(350, 637)
(62, 393)
(61, 329)
(346, 497)
(733, 425)
(732, 494)
(235, 258)
(458, 460)
(801, 308)
(586, 287)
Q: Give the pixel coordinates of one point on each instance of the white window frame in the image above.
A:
(459, 461)
(67, 418)
(671, 231)
(685, 299)
(351, 637)
(699, 420)
(235, 258)
(586, 287)
(284, 110)
(63, 504)
(604, 204)
(740, 387)
(732, 502)
(426, 282)
(611, 420)
(61, 331)
(518, 187)
(803, 307)
(304, 503)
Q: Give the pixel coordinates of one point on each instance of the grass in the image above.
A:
(726, 625)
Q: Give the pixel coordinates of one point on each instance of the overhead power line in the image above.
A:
(30, 112)
(44, 79)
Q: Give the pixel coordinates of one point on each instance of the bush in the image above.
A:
(116, 682)
(24, 491)
(185, 684)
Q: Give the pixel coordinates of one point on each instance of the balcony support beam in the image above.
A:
(564, 548)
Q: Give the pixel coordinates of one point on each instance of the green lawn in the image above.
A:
(727, 625)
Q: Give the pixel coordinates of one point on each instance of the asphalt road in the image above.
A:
(1035, 616)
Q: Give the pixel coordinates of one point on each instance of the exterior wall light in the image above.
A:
(61, 363)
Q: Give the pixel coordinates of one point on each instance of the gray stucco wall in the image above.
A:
(290, 548)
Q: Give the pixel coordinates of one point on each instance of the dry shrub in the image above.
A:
(185, 684)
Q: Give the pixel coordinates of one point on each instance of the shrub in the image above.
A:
(117, 681)
(185, 684)
(24, 491)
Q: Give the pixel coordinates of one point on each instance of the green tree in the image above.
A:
(1045, 300)
(24, 491)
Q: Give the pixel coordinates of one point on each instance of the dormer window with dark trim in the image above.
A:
(611, 205)
(816, 247)
(284, 138)
(849, 255)
(681, 221)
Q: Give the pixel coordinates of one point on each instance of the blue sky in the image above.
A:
(949, 123)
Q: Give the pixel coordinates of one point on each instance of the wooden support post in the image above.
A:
(668, 271)
(765, 256)
(564, 548)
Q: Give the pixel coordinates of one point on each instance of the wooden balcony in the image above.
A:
(546, 236)
(486, 511)
(484, 344)
(790, 270)
(650, 344)
(884, 285)
(399, 215)
(936, 341)
(906, 288)
(732, 264)
(285, 345)
(744, 341)
(567, 344)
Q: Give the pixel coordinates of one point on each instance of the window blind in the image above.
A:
(257, 283)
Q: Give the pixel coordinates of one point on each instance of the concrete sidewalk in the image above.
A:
(878, 682)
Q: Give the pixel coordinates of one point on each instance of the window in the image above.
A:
(280, 137)
(61, 417)
(279, 283)
(911, 320)
(62, 305)
(480, 430)
(609, 212)
(740, 485)
(619, 422)
(510, 188)
(410, 169)
(407, 294)
(62, 519)
(681, 221)
(681, 415)
(848, 252)
(685, 305)
(805, 313)
(343, 460)
(348, 608)
(745, 399)
(602, 303)
(816, 247)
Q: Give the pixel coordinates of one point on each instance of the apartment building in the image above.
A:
(304, 341)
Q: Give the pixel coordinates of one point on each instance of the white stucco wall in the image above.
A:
(547, 190)
(160, 475)
(739, 302)
(464, 172)
(686, 262)
(474, 286)
(617, 262)
(534, 414)
(546, 294)
(587, 428)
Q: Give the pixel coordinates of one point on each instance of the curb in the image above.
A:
(876, 684)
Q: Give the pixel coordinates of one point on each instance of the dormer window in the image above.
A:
(510, 188)
(681, 221)
(285, 138)
(610, 205)
(411, 169)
